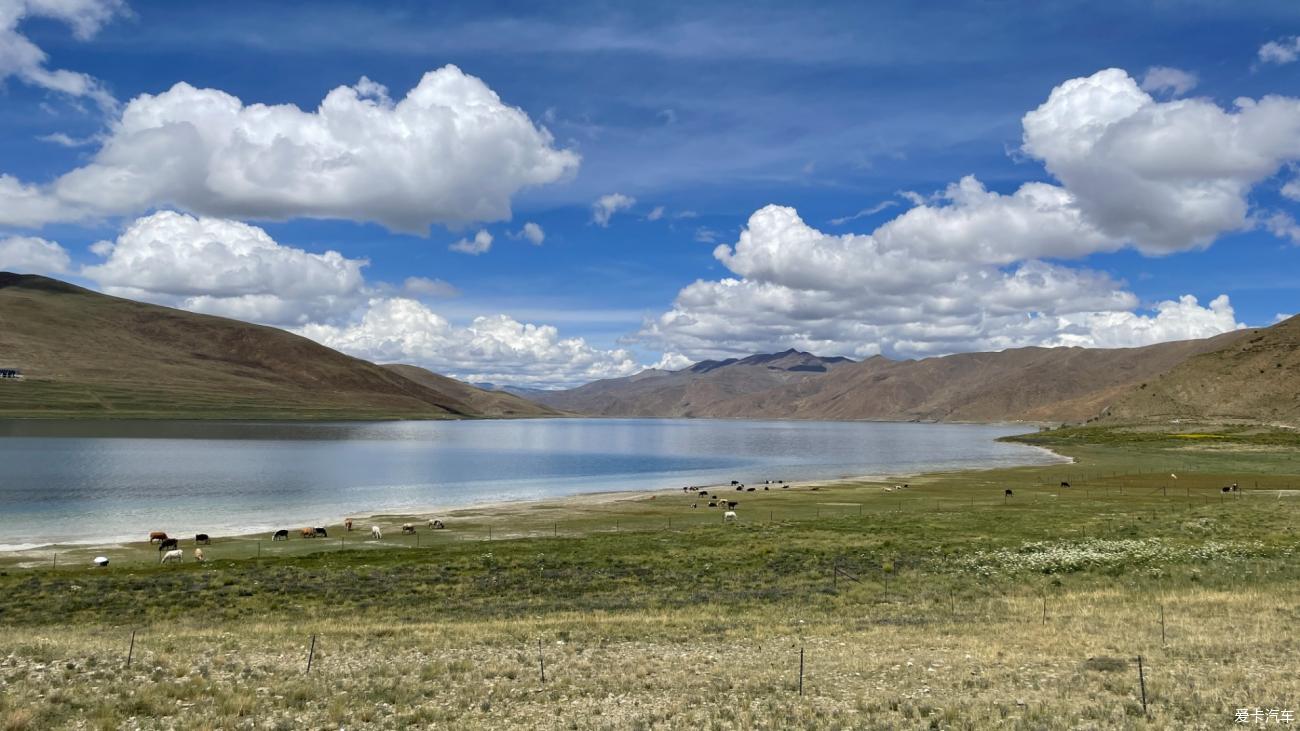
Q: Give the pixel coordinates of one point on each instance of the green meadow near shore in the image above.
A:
(948, 604)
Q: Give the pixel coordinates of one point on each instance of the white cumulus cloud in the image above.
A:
(226, 268)
(962, 276)
(1163, 176)
(532, 233)
(450, 152)
(494, 349)
(32, 255)
(607, 205)
(426, 287)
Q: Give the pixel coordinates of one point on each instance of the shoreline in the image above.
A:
(498, 508)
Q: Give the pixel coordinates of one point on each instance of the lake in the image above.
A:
(92, 482)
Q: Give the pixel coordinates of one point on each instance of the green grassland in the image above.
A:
(943, 605)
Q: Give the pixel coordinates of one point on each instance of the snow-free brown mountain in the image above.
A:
(707, 388)
(83, 353)
(1023, 384)
(1255, 379)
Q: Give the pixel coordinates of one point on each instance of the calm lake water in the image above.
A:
(84, 482)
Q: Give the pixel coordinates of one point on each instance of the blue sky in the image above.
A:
(704, 113)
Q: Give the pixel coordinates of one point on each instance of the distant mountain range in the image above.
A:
(83, 353)
(1247, 374)
(88, 354)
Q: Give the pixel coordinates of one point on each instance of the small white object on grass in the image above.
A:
(101, 560)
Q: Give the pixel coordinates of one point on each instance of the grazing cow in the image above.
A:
(1226, 489)
(320, 531)
(766, 488)
(375, 533)
(347, 524)
(739, 488)
(749, 489)
(408, 528)
(202, 538)
(735, 482)
(308, 532)
(281, 535)
(167, 543)
(176, 555)
(1064, 483)
(785, 487)
(1007, 493)
(704, 493)
(713, 505)
(729, 516)
(101, 561)
(198, 555)
(437, 525)
(157, 536)
(732, 504)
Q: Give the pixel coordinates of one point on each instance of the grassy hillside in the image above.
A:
(1256, 379)
(495, 404)
(87, 354)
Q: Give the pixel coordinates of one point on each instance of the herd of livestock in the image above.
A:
(170, 551)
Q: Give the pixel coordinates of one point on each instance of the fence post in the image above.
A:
(1142, 682)
(1162, 624)
(259, 549)
(541, 660)
(1044, 609)
(130, 651)
(311, 654)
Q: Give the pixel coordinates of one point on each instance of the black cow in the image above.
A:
(731, 504)
(1227, 489)
(1008, 493)
(202, 538)
(1064, 483)
(281, 535)
(167, 543)
(321, 532)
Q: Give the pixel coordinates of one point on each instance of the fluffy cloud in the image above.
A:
(450, 152)
(1163, 176)
(655, 213)
(22, 59)
(31, 255)
(233, 269)
(226, 268)
(1181, 320)
(1162, 79)
(1281, 51)
(532, 233)
(607, 205)
(494, 349)
(672, 362)
(939, 279)
(480, 244)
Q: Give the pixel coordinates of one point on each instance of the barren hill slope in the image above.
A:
(1030, 384)
(1256, 378)
(88, 354)
(483, 402)
(708, 388)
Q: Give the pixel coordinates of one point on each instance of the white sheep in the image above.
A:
(375, 533)
(730, 515)
(176, 555)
